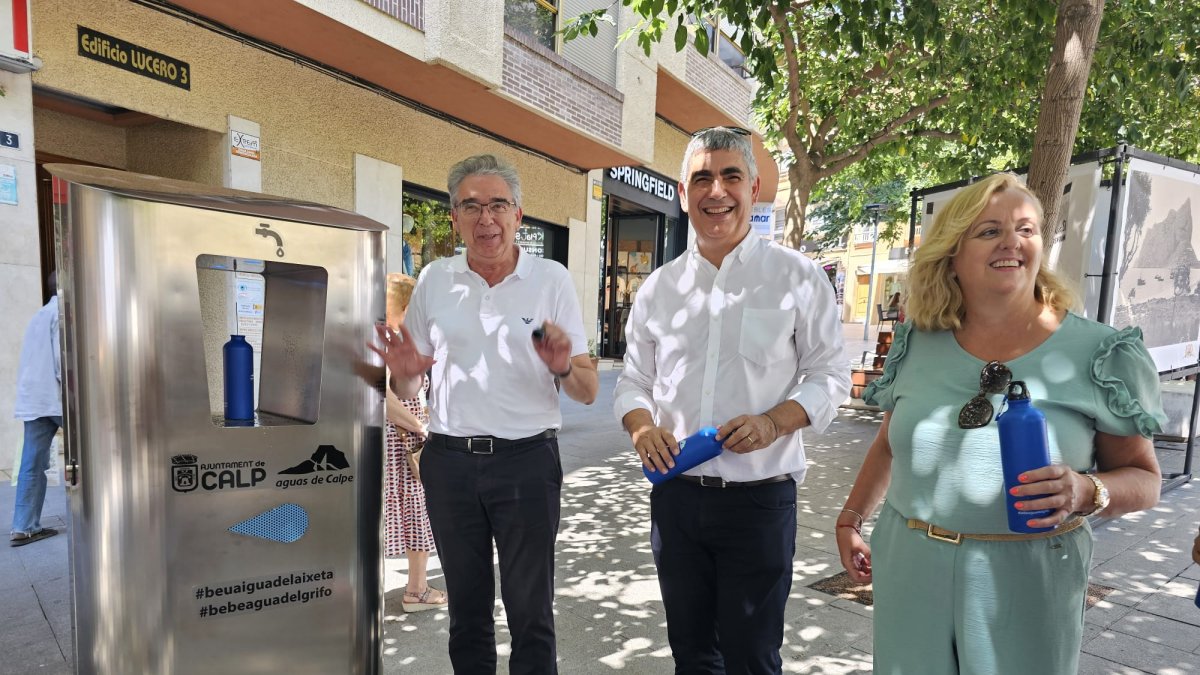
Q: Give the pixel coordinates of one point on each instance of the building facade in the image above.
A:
(848, 263)
(363, 105)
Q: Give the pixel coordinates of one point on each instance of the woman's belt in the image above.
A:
(950, 536)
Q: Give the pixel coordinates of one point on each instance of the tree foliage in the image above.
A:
(950, 88)
(433, 233)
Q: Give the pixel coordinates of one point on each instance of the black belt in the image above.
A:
(716, 481)
(487, 445)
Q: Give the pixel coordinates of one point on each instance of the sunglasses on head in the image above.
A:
(733, 130)
(993, 379)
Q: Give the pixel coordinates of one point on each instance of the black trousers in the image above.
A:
(511, 497)
(724, 558)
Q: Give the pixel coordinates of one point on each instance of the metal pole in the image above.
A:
(870, 279)
(1108, 281)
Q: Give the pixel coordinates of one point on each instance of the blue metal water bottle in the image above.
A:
(239, 378)
(1023, 447)
(693, 451)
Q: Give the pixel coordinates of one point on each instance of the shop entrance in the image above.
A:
(633, 249)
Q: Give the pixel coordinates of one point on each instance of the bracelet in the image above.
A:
(856, 528)
(861, 520)
(565, 375)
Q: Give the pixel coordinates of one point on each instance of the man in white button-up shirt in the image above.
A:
(498, 328)
(745, 335)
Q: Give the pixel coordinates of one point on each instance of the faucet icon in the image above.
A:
(264, 230)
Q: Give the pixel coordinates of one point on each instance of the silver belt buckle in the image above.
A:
(484, 442)
(712, 481)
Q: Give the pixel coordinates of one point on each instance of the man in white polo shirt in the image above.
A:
(498, 328)
(742, 334)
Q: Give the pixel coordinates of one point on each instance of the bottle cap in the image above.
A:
(1017, 391)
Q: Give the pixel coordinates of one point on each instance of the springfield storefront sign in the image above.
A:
(644, 181)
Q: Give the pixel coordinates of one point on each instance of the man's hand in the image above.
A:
(553, 347)
(656, 447)
(400, 354)
(747, 433)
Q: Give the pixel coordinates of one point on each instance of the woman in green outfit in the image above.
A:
(955, 590)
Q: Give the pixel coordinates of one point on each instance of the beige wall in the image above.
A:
(312, 124)
(669, 146)
(176, 151)
(80, 139)
(20, 265)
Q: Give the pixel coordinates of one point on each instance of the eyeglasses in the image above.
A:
(977, 413)
(733, 130)
(473, 210)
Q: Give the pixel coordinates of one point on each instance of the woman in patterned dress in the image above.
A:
(406, 522)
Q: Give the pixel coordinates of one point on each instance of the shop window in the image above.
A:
(431, 235)
(543, 239)
(536, 18)
(532, 239)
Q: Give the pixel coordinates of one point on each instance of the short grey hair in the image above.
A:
(484, 165)
(719, 138)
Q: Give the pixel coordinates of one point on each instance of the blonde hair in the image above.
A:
(399, 292)
(934, 299)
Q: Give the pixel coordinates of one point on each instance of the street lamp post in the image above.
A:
(874, 210)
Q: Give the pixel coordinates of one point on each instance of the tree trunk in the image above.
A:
(1075, 34)
(800, 186)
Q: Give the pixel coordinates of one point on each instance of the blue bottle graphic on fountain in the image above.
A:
(1023, 447)
(239, 379)
(693, 451)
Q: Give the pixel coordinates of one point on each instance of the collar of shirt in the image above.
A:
(524, 264)
(745, 248)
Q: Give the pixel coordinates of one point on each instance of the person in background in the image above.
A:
(894, 312)
(499, 328)
(955, 591)
(39, 406)
(406, 254)
(743, 333)
(406, 520)
(894, 304)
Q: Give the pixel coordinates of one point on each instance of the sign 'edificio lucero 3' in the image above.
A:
(134, 58)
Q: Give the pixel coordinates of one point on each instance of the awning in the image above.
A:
(885, 267)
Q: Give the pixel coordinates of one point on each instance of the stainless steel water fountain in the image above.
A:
(197, 545)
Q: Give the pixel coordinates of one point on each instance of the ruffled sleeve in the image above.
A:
(1128, 387)
(880, 392)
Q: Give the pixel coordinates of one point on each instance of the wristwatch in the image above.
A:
(1100, 498)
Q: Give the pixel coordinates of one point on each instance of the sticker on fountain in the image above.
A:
(285, 523)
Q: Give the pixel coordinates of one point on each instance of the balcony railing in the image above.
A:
(411, 12)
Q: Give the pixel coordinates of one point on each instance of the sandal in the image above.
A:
(430, 598)
(20, 538)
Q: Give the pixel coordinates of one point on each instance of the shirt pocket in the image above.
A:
(767, 335)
